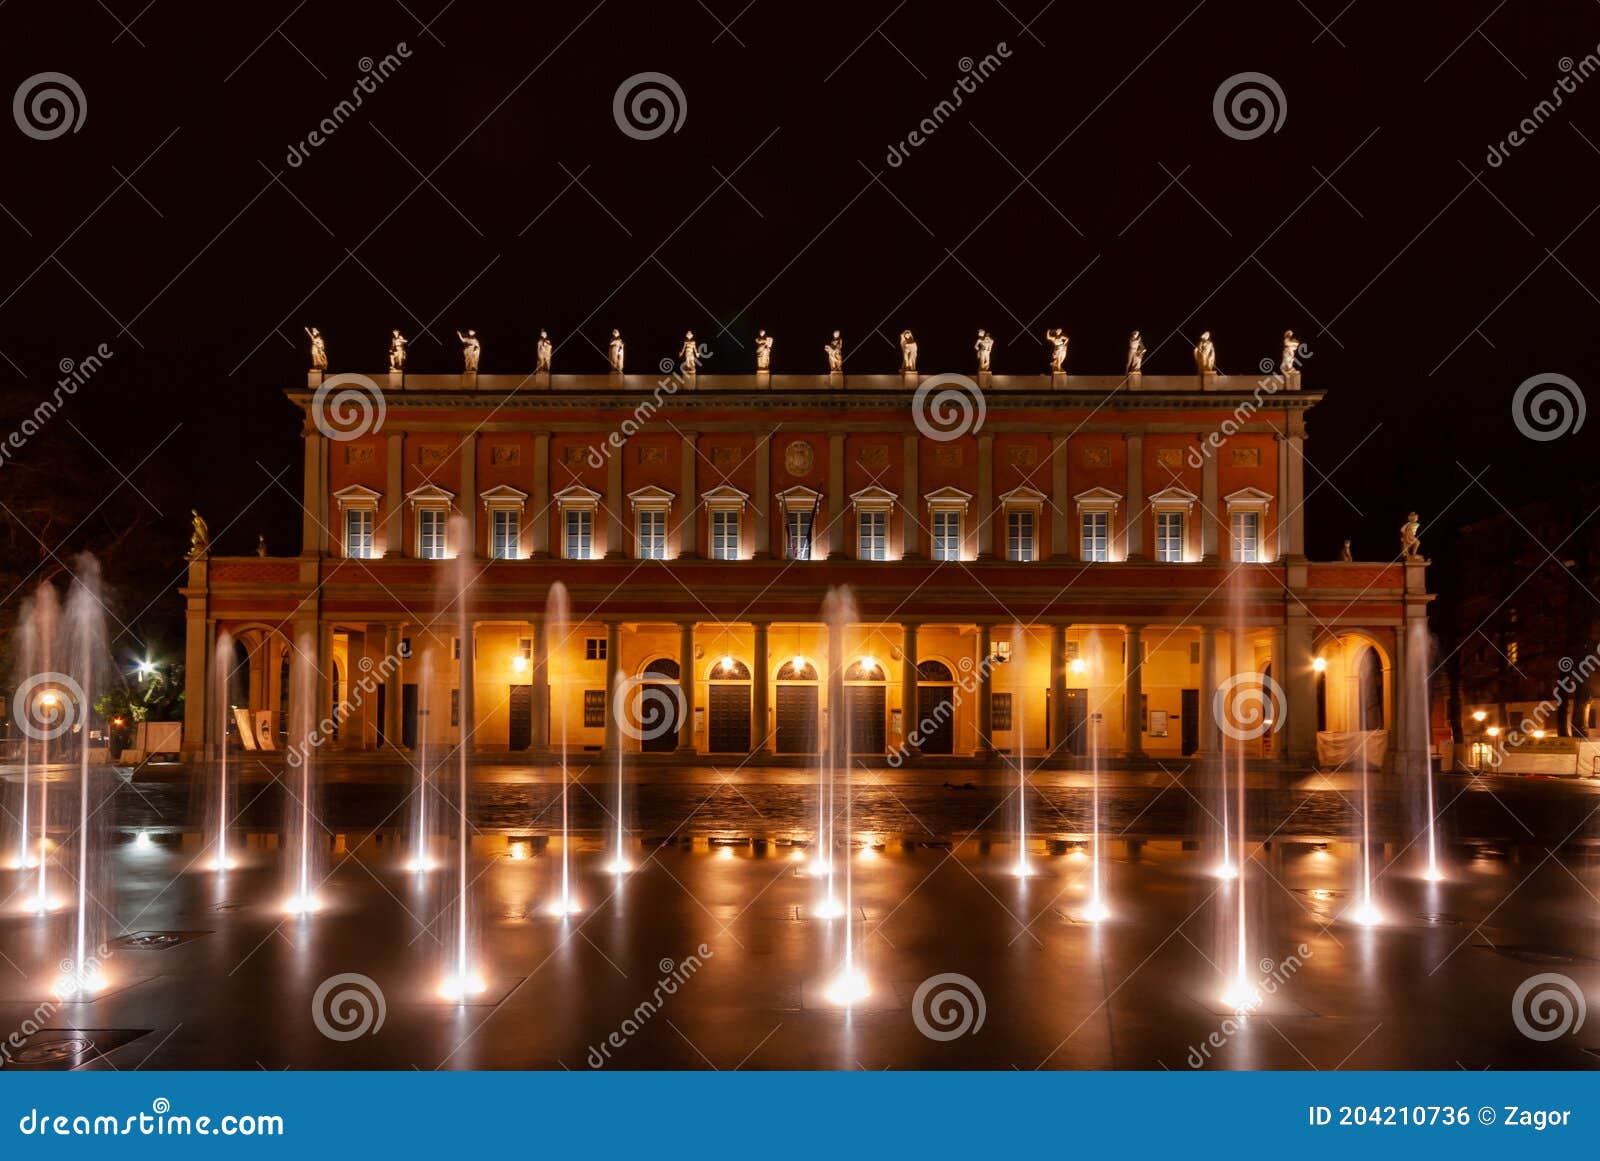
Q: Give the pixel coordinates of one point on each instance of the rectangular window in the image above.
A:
(1246, 536)
(797, 537)
(725, 535)
(947, 534)
(358, 524)
(455, 707)
(1097, 536)
(652, 535)
(507, 541)
(1019, 536)
(1169, 537)
(594, 649)
(580, 533)
(1000, 711)
(594, 708)
(872, 536)
(430, 533)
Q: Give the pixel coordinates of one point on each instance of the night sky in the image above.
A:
(1085, 183)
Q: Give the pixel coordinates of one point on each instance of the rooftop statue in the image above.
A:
(908, 353)
(542, 352)
(615, 350)
(835, 352)
(1291, 349)
(1057, 338)
(199, 536)
(1205, 355)
(1136, 351)
(471, 348)
(1410, 541)
(689, 353)
(397, 351)
(319, 349)
(985, 348)
(763, 351)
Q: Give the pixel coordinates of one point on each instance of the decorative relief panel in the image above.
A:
(505, 454)
(1097, 457)
(1245, 457)
(874, 457)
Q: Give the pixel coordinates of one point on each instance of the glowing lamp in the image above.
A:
(1493, 731)
(727, 664)
(798, 665)
(1077, 665)
(869, 664)
(48, 698)
(1538, 734)
(520, 850)
(1478, 715)
(519, 663)
(1319, 664)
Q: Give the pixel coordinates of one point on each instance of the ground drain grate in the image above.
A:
(156, 940)
(1537, 955)
(229, 907)
(61, 1049)
(1441, 920)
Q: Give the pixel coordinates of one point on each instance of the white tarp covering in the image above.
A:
(158, 737)
(241, 719)
(1345, 749)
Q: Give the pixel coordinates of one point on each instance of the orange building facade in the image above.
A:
(1038, 563)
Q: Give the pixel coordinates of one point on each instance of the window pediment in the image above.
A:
(357, 496)
(1023, 497)
(948, 498)
(430, 495)
(577, 496)
(725, 497)
(1173, 497)
(651, 498)
(1248, 498)
(1100, 498)
(874, 499)
(503, 496)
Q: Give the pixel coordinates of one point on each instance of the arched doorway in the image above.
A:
(935, 727)
(866, 701)
(661, 692)
(797, 708)
(728, 730)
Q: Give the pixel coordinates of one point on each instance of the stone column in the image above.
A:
(838, 522)
(761, 502)
(539, 741)
(689, 498)
(541, 496)
(985, 497)
(1210, 735)
(1136, 506)
(686, 682)
(985, 730)
(1280, 674)
(393, 684)
(394, 501)
(1210, 508)
(1300, 688)
(614, 505)
(613, 736)
(908, 687)
(324, 706)
(762, 676)
(1133, 665)
(468, 500)
(314, 511)
(910, 501)
(1057, 732)
(834, 676)
(1060, 501)
(1292, 507)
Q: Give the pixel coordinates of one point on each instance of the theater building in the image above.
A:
(1074, 560)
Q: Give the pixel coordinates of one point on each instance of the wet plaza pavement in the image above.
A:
(708, 956)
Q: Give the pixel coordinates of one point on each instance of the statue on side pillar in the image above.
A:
(908, 353)
(615, 351)
(261, 545)
(763, 351)
(542, 352)
(689, 353)
(471, 348)
(1410, 541)
(1135, 354)
(199, 536)
(835, 352)
(985, 348)
(397, 351)
(1205, 355)
(1344, 553)
(1291, 348)
(319, 349)
(1057, 338)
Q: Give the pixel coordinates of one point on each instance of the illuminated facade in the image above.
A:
(1118, 546)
